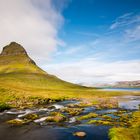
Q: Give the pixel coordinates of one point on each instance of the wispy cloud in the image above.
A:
(125, 20)
(128, 25)
(91, 71)
(70, 51)
(34, 24)
(133, 34)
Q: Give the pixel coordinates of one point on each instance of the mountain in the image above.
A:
(127, 84)
(14, 58)
(120, 84)
(19, 75)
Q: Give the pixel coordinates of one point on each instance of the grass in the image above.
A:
(23, 83)
(88, 116)
(56, 117)
(72, 111)
(100, 122)
(21, 88)
(130, 133)
(4, 106)
(16, 122)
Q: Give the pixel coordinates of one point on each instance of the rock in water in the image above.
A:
(80, 134)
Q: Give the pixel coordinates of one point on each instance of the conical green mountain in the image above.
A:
(20, 75)
(14, 58)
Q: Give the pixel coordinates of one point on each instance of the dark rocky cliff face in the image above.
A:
(13, 49)
(16, 50)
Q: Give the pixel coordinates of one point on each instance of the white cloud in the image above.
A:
(91, 71)
(125, 20)
(32, 23)
(133, 34)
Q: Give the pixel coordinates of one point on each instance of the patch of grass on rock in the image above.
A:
(88, 116)
(4, 106)
(73, 111)
(16, 122)
(100, 122)
(58, 117)
(31, 116)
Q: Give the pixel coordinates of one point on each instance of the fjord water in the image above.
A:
(121, 89)
(54, 132)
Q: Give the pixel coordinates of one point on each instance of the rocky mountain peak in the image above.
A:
(15, 53)
(13, 49)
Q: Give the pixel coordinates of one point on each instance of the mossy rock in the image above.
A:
(100, 122)
(31, 116)
(73, 111)
(88, 116)
(122, 133)
(106, 117)
(56, 118)
(16, 122)
(4, 106)
(131, 132)
(80, 105)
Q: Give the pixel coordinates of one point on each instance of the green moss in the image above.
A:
(92, 122)
(4, 106)
(31, 116)
(130, 133)
(121, 133)
(135, 121)
(16, 122)
(56, 117)
(120, 113)
(73, 111)
(100, 122)
(88, 116)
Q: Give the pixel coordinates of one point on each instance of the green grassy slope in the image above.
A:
(18, 63)
(21, 77)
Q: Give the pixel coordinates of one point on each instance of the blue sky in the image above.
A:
(81, 41)
(89, 30)
(103, 32)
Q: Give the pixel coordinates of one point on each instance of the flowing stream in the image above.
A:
(39, 130)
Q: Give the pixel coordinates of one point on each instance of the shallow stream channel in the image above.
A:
(61, 120)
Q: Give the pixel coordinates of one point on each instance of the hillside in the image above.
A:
(22, 82)
(16, 66)
(20, 76)
(14, 58)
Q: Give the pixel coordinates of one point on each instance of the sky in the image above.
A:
(81, 41)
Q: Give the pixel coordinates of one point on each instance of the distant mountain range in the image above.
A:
(128, 84)
(121, 84)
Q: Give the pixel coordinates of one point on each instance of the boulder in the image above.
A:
(80, 134)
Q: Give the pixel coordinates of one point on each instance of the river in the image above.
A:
(44, 131)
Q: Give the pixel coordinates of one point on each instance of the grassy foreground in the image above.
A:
(130, 133)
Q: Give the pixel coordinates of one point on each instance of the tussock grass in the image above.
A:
(130, 133)
(24, 86)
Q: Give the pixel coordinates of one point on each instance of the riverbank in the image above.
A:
(59, 120)
(19, 98)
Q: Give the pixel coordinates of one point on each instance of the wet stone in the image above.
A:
(80, 134)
